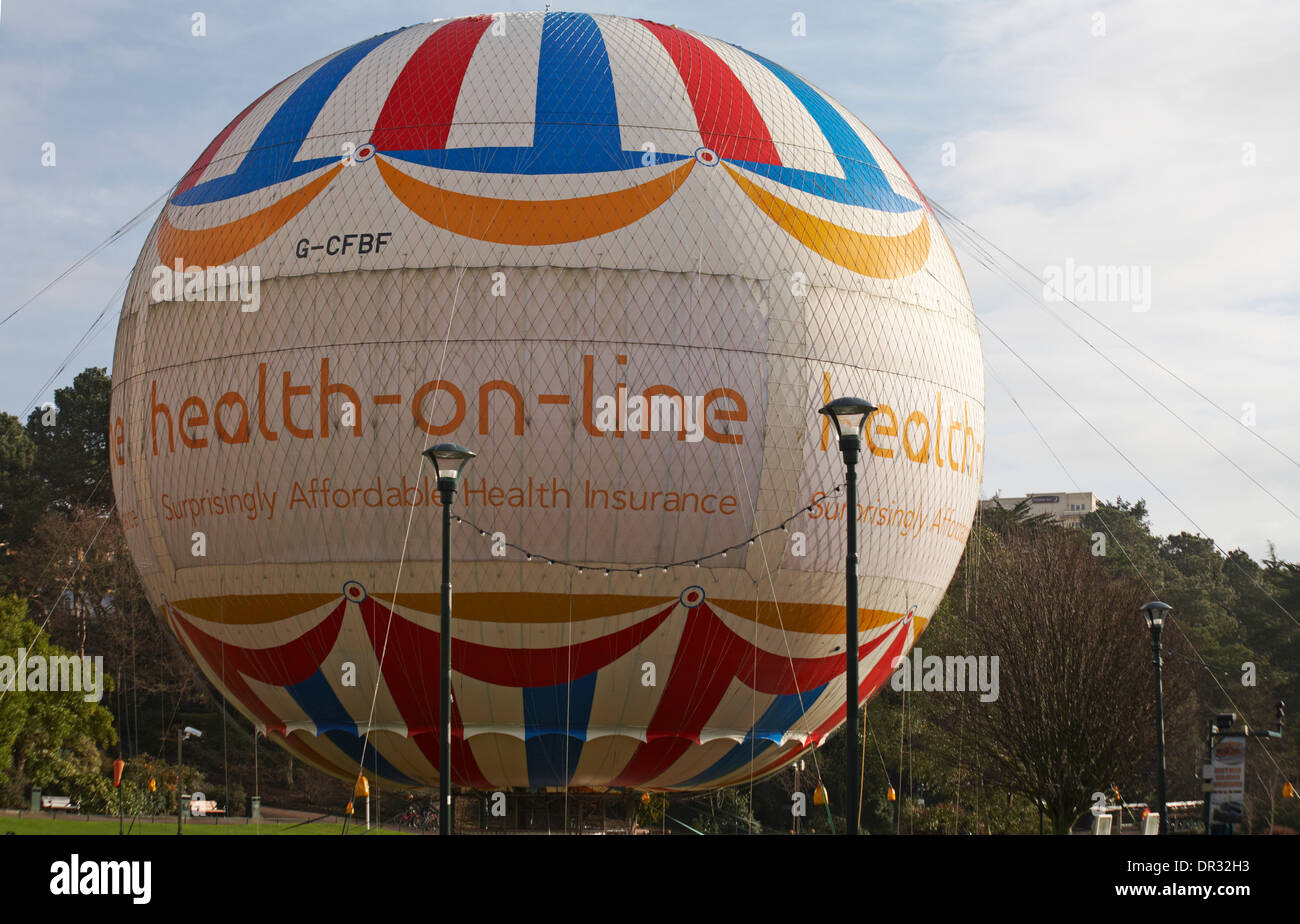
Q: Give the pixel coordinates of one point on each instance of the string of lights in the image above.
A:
(636, 570)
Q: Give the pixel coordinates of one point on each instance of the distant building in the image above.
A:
(1067, 507)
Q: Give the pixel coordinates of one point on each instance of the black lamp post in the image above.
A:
(1155, 617)
(449, 459)
(849, 415)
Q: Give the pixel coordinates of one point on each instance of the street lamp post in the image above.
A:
(449, 459)
(849, 415)
(1154, 612)
(181, 734)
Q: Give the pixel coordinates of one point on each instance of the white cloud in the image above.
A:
(1127, 150)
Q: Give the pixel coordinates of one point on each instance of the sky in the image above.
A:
(1152, 144)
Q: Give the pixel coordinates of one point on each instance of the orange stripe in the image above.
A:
(222, 243)
(816, 618)
(921, 623)
(531, 221)
(530, 609)
(252, 609)
(877, 256)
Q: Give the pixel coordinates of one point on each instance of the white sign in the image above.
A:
(1227, 804)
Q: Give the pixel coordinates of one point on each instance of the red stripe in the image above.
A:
(869, 685)
(709, 656)
(414, 651)
(506, 667)
(729, 121)
(784, 759)
(295, 741)
(282, 666)
(418, 112)
(192, 175)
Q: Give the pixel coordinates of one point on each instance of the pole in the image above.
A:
(1160, 731)
(797, 789)
(851, 637)
(447, 489)
(179, 818)
(1207, 788)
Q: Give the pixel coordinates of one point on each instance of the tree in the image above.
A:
(76, 569)
(51, 739)
(17, 456)
(1074, 714)
(1130, 548)
(1001, 519)
(72, 444)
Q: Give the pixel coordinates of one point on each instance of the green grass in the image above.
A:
(77, 826)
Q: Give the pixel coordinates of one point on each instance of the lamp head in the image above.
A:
(849, 415)
(1155, 614)
(449, 459)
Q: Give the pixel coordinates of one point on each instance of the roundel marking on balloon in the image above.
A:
(707, 156)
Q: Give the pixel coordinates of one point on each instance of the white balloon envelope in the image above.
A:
(625, 264)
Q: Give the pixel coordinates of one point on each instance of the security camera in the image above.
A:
(192, 732)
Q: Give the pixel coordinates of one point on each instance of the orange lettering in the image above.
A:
(739, 413)
(200, 419)
(417, 407)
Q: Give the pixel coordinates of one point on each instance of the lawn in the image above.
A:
(77, 826)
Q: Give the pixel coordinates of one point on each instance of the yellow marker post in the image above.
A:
(362, 791)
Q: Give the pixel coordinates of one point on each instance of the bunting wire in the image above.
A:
(638, 570)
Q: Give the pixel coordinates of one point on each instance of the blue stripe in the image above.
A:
(271, 158)
(864, 183)
(770, 727)
(316, 698)
(576, 126)
(351, 745)
(552, 743)
(531, 161)
(577, 115)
